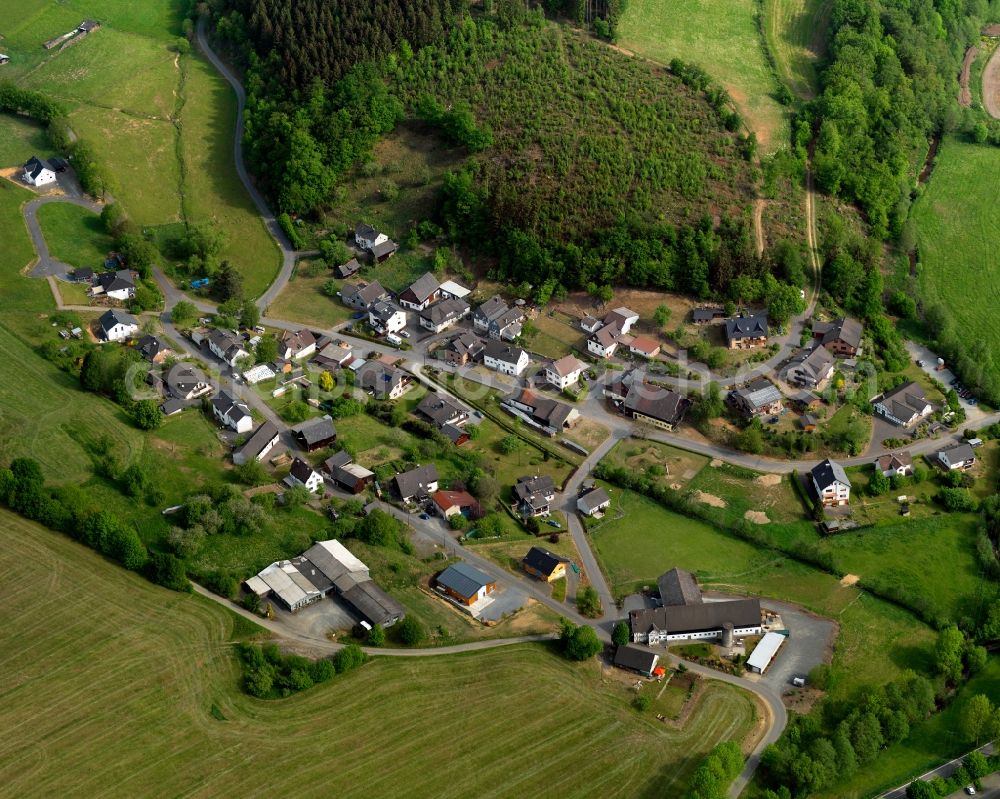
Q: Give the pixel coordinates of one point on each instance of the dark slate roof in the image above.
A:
(679, 587)
(502, 352)
(34, 166)
(827, 473)
(657, 402)
(261, 437)
(751, 326)
(463, 579)
(905, 400)
(594, 498)
(416, 480)
(440, 409)
(423, 287)
(339, 458)
(150, 346)
(706, 314)
(445, 311)
(365, 231)
(384, 248)
(843, 329)
(542, 560)
(116, 281)
(491, 309)
(635, 658)
(116, 316)
(301, 470)
(367, 292)
(681, 619)
(315, 431)
(372, 603)
(312, 573)
(228, 406)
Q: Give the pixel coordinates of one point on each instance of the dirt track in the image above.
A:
(758, 226)
(964, 92)
(991, 85)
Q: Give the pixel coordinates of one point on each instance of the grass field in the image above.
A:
(958, 234)
(74, 234)
(20, 139)
(147, 683)
(303, 300)
(796, 36)
(723, 39)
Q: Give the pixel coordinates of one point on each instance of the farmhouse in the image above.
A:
(421, 293)
(759, 397)
(565, 372)
(258, 445)
(302, 474)
(959, 456)
(442, 315)
(416, 484)
(831, 484)
(593, 502)
(635, 659)
(543, 564)
(37, 174)
(648, 404)
(644, 346)
(895, 464)
(465, 348)
(344, 271)
(534, 495)
(904, 405)
(809, 368)
(842, 336)
(678, 587)
(232, 413)
(226, 347)
(703, 620)
(287, 581)
(747, 332)
(362, 295)
(451, 503)
(152, 349)
(300, 344)
(116, 325)
(505, 358)
(549, 414)
(315, 434)
(381, 381)
(117, 285)
(386, 318)
(465, 584)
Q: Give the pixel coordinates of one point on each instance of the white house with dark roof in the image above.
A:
(232, 413)
(37, 174)
(302, 474)
(366, 237)
(362, 295)
(442, 315)
(118, 285)
(226, 347)
(565, 372)
(809, 368)
(904, 405)
(831, 484)
(421, 293)
(747, 332)
(534, 495)
(296, 344)
(895, 464)
(505, 358)
(258, 445)
(386, 318)
(593, 502)
(416, 483)
(492, 309)
(960, 456)
(117, 325)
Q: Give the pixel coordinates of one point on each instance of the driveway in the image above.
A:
(809, 644)
(929, 358)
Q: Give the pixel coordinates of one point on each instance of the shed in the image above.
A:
(764, 652)
(634, 658)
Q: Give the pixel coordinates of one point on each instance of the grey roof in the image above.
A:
(594, 498)
(468, 344)
(172, 406)
(346, 270)
(150, 346)
(678, 587)
(502, 352)
(542, 560)
(534, 491)
(384, 310)
(827, 473)
(682, 619)
(373, 604)
(339, 458)
(182, 379)
(384, 248)
(509, 317)
(655, 401)
(815, 361)
(415, 481)
(707, 314)
(365, 231)
(365, 292)
(334, 567)
(463, 579)
(226, 405)
(348, 474)
(116, 281)
(491, 309)
(445, 311)
(960, 453)
(261, 437)
(636, 658)
(750, 326)
(423, 287)
(759, 393)
(905, 401)
(314, 431)
(440, 409)
(379, 378)
(843, 329)
(116, 316)
(312, 573)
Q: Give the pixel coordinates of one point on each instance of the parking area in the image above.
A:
(507, 599)
(809, 644)
(316, 620)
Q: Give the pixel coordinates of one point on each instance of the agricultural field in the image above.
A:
(74, 235)
(958, 233)
(796, 33)
(174, 719)
(20, 139)
(722, 38)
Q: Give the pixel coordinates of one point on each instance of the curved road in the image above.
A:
(47, 266)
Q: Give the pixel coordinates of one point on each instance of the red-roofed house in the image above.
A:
(646, 346)
(448, 503)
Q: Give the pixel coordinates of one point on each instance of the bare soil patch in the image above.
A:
(768, 479)
(964, 92)
(758, 224)
(715, 463)
(756, 516)
(991, 85)
(849, 579)
(709, 499)
(992, 30)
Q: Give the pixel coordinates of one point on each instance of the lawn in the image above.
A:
(796, 33)
(303, 300)
(723, 39)
(679, 467)
(20, 139)
(147, 682)
(74, 235)
(958, 233)
(556, 337)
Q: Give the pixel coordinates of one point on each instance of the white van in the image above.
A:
(393, 339)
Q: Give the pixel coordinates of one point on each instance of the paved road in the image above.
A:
(47, 266)
(944, 770)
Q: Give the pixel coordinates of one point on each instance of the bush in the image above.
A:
(410, 631)
(579, 643)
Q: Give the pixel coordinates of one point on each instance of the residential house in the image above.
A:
(465, 584)
(960, 456)
(297, 344)
(366, 237)
(333, 355)
(637, 660)
(362, 295)
(905, 405)
(591, 324)
(644, 346)
(487, 312)
(543, 564)
(37, 174)
(747, 332)
(421, 293)
(622, 318)
(455, 291)
(759, 397)
(152, 349)
(344, 271)
(231, 412)
(699, 621)
(386, 318)
(441, 411)
(565, 372)
(842, 336)
(346, 474)
(315, 434)
(507, 326)
(704, 316)
(505, 358)
(809, 368)
(417, 483)
(185, 382)
(302, 474)
(534, 495)
(462, 350)
(549, 414)
(603, 342)
(258, 445)
(118, 285)
(648, 404)
(116, 325)
(382, 381)
(895, 464)
(593, 502)
(442, 315)
(450, 503)
(831, 484)
(226, 347)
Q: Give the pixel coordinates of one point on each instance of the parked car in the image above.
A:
(799, 682)
(920, 363)
(404, 333)
(424, 516)
(970, 790)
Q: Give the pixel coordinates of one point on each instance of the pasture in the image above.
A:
(722, 38)
(20, 139)
(796, 36)
(74, 235)
(147, 681)
(958, 236)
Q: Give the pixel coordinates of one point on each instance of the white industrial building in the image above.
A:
(764, 652)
